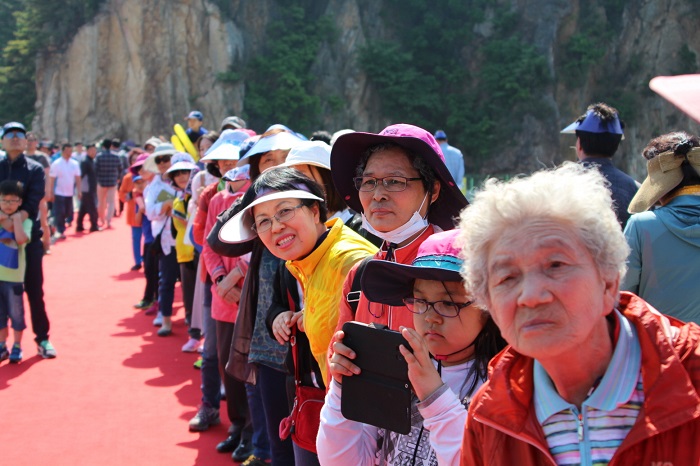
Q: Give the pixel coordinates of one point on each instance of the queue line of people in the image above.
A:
(520, 347)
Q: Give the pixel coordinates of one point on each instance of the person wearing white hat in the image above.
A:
(313, 159)
(158, 198)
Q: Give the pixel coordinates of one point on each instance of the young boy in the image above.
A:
(14, 234)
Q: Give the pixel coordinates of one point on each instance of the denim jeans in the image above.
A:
(273, 390)
(150, 271)
(304, 457)
(236, 398)
(188, 278)
(136, 233)
(12, 305)
(211, 378)
(168, 272)
(261, 444)
(62, 212)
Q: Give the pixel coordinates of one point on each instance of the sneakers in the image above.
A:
(205, 418)
(254, 461)
(158, 321)
(4, 354)
(16, 354)
(164, 331)
(191, 346)
(198, 363)
(243, 451)
(46, 350)
(152, 309)
(143, 304)
(135, 268)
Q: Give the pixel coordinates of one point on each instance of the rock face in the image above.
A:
(141, 65)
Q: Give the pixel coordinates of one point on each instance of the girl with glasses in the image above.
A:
(452, 342)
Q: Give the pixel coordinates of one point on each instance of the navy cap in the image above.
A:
(13, 125)
(591, 123)
(195, 114)
(440, 134)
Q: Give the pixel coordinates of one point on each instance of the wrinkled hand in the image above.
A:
(341, 360)
(421, 371)
(281, 326)
(233, 295)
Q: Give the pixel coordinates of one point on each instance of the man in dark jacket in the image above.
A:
(598, 135)
(88, 187)
(16, 166)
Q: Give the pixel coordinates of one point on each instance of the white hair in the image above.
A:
(571, 194)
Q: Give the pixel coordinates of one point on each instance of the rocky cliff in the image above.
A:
(140, 65)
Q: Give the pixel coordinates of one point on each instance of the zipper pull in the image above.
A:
(580, 427)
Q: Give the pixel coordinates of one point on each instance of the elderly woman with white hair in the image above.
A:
(592, 375)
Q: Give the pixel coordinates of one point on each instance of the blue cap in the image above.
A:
(196, 114)
(13, 125)
(591, 123)
(440, 134)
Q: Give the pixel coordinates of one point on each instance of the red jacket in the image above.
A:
(502, 428)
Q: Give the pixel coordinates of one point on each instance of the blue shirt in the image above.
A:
(454, 160)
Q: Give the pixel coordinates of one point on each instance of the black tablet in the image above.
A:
(381, 394)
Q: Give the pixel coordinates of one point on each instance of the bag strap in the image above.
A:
(353, 297)
(293, 342)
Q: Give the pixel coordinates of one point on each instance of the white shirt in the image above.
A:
(65, 172)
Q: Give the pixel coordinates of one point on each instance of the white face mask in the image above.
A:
(415, 225)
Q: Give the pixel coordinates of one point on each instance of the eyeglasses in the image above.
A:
(161, 159)
(390, 183)
(282, 215)
(14, 134)
(442, 308)
(10, 201)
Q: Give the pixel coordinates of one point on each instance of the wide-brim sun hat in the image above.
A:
(314, 153)
(237, 174)
(227, 147)
(349, 149)
(153, 141)
(664, 175)
(239, 229)
(162, 149)
(280, 141)
(682, 91)
(438, 259)
(138, 163)
(181, 161)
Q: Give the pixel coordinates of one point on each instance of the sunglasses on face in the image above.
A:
(15, 134)
(161, 159)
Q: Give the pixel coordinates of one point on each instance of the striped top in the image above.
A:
(592, 435)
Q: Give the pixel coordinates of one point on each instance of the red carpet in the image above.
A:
(116, 394)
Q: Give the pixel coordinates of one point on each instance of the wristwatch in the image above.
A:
(219, 279)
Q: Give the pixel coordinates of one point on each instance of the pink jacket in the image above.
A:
(217, 265)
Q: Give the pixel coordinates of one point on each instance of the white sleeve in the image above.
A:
(53, 170)
(152, 206)
(445, 418)
(342, 442)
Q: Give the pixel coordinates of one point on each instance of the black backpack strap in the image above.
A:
(353, 297)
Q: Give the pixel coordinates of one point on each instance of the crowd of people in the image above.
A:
(528, 320)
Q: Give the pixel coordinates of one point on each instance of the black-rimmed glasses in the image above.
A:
(161, 159)
(282, 215)
(390, 183)
(443, 308)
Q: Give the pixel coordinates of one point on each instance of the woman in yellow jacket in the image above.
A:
(287, 211)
